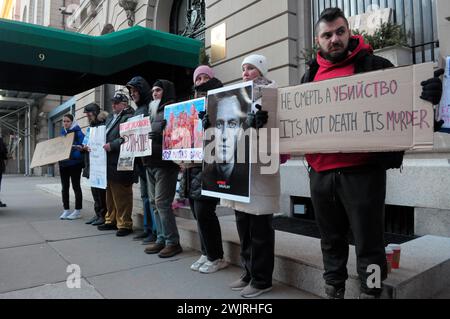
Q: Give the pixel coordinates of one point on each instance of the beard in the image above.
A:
(333, 57)
(153, 107)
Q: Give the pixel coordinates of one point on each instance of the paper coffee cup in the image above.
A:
(389, 258)
(397, 249)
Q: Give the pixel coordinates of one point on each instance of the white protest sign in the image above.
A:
(444, 109)
(135, 134)
(97, 157)
(136, 138)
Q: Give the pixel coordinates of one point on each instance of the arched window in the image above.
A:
(188, 18)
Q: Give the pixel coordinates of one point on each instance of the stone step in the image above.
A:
(425, 262)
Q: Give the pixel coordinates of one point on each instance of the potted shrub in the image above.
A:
(390, 41)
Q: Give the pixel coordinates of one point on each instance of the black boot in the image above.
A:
(333, 292)
(122, 232)
(107, 227)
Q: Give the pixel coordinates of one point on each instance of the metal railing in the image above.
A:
(418, 18)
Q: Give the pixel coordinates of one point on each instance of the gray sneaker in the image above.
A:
(252, 292)
(334, 293)
(238, 285)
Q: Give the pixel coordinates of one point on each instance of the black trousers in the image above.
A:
(99, 196)
(208, 228)
(350, 198)
(257, 238)
(71, 173)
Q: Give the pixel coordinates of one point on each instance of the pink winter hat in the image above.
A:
(203, 69)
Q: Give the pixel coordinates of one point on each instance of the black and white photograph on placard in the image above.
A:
(226, 167)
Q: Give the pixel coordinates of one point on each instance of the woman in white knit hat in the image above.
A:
(254, 220)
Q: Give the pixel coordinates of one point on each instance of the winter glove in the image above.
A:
(154, 135)
(202, 115)
(432, 88)
(163, 125)
(259, 119)
(438, 125)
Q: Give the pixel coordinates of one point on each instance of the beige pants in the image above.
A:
(119, 202)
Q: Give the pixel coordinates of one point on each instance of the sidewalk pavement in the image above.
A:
(36, 248)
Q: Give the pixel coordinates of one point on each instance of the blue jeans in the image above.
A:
(162, 182)
(149, 224)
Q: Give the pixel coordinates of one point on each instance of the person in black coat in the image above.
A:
(119, 192)
(348, 190)
(204, 208)
(96, 118)
(3, 158)
(141, 94)
(162, 176)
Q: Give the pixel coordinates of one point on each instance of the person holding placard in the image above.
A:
(162, 176)
(204, 208)
(254, 220)
(70, 169)
(119, 191)
(140, 93)
(96, 118)
(348, 189)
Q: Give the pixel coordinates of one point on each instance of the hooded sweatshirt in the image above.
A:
(142, 86)
(75, 155)
(156, 118)
(329, 70)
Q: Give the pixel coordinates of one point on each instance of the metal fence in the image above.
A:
(418, 18)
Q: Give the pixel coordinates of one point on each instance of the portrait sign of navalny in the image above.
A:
(226, 166)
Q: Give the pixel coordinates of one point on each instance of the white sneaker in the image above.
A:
(65, 214)
(196, 266)
(75, 215)
(213, 266)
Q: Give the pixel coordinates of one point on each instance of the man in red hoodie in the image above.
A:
(348, 189)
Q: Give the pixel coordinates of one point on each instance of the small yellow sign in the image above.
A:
(218, 43)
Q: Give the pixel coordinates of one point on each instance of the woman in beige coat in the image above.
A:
(254, 220)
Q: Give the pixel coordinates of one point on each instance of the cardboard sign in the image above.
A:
(97, 157)
(183, 135)
(371, 112)
(52, 151)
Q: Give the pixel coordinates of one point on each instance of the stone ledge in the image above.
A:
(425, 264)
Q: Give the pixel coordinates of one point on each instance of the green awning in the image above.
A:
(47, 60)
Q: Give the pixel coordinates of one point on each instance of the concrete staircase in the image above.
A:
(425, 262)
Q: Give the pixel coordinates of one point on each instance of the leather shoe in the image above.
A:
(154, 248)
(122, 232)
(170, 251)
(107, 227)
(99, 221)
